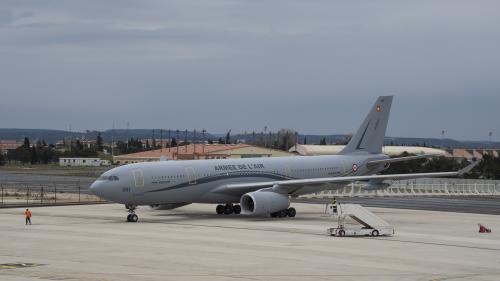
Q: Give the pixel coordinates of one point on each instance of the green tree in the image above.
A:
(99, 142)
(46, 156)
(22, 154)
(26, 143)
(34, 156)
(345, 140)
(3, 158)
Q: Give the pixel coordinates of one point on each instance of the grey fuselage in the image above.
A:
(197, 181)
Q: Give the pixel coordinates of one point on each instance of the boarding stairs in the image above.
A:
(371, 223)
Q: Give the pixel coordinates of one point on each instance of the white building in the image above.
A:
(306, 150)
(83, 162)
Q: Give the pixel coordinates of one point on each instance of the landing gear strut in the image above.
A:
(228, 209)
(132, 217)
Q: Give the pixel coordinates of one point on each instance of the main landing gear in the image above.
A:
(132, 217)
(228, 209)
(290, 212)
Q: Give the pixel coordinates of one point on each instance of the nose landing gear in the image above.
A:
(132, 217)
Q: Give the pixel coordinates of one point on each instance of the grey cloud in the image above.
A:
(312, 65)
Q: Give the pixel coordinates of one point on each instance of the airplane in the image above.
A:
(259, 186)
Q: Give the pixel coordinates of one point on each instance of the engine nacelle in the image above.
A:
(263, 202)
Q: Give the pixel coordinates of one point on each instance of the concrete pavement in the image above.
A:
(192, 243)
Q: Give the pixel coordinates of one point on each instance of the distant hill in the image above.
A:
(52, 136)
(428, 142)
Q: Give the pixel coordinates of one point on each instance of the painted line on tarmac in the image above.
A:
(18, 265)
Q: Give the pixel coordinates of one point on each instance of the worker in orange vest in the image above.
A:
(28, 216)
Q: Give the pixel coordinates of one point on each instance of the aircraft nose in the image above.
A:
(95, 188)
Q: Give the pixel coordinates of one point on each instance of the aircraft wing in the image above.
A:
(290, 186)
(400, 159)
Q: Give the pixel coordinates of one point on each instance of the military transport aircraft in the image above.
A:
(261, 186)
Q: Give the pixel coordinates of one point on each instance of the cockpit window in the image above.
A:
(109, 178)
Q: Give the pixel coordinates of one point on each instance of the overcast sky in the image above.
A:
(315, 66)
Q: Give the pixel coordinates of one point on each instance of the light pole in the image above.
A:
(491, 144)
(203, 147)
(194, 142)
(264, 136)
(442, 139)
(177, 144)
(169, 140)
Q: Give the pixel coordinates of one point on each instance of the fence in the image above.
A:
(422, 187)
(75, 192)
(33, 194)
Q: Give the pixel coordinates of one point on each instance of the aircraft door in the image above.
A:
(138, 178)
(190, 174)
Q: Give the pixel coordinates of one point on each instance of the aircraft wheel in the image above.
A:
(237, 209)
(128, 217)
(375, 233)
(220, 209)
(273, 215)
(228, 209)
(341, 233)
(283, 213)
(292, 212)
(134, 218)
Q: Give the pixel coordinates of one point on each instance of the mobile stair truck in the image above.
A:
(369, 223)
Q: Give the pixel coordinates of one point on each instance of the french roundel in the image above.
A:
(354, 167)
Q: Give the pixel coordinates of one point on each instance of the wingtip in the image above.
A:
(469, 167)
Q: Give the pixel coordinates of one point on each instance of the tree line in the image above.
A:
(43, 153)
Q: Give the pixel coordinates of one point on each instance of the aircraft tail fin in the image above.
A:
(370, 136)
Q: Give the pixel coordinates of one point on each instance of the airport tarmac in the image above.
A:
(53, 176)
(94, 242)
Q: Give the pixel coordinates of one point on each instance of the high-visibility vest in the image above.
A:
(28, 214)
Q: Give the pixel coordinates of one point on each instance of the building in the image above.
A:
(471, 154)
(307, 150)
(6, 145)
(157, 142)
(200, 151)
(83, 162)
(468, 154)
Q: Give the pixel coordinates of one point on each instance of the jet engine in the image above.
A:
(263, 202)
